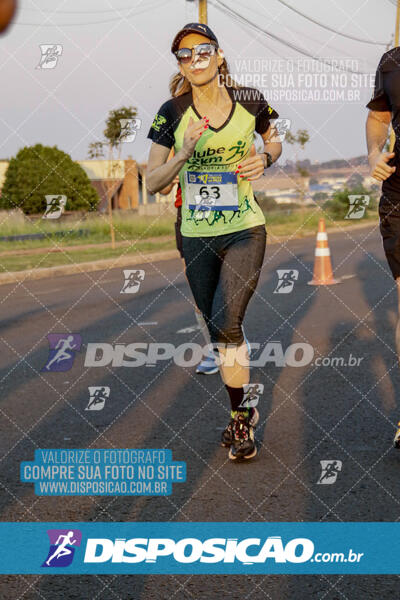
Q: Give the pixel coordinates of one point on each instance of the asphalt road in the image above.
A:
(308, 413)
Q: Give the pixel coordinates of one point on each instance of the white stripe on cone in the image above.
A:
(322, 252)
(322, 237)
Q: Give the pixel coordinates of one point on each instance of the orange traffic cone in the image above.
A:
(322, 266)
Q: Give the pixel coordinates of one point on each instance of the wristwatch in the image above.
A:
(269, 160)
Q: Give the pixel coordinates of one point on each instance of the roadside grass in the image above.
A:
(69, 256)
(142, 232)
(126, 227)
(304, 222)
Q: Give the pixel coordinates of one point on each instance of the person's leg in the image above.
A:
(398, 319)
(223, 272)
(203, 266)
(203, 326)
(240, 271)
(207, 365)
(390, 231)
(396, 440)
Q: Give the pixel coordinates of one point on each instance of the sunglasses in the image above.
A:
(184, 55)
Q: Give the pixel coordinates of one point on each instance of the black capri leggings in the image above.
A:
(223, 273)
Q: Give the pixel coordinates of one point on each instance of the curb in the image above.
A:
(86, 267)
(127, 261)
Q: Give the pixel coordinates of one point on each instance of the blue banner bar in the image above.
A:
(192, 548)
(103, 472)
(211, 177)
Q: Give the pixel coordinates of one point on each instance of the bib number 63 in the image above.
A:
(204, 193)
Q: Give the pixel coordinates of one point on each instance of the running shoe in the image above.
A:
(227, 434)
(208, 366)
(243, 444)
(396, 441)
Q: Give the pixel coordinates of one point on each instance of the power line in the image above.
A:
(302, 34)
(78, 12)
(275, 37)
(120, 18)
(240, 21)
(350, 37)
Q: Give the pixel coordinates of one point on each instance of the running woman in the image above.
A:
(384, 108)
(210, 122)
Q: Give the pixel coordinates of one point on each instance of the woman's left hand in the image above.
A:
(252, 168)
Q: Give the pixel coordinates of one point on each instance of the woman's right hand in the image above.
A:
(192, 135)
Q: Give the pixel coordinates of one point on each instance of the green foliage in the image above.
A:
(338, 205)
(302, 171)
(265, 202)
(355, 180)
(320, 196)
(96, 150)
(269, 205)
(114, 136)
(37, 171)
(301, 138)
(112, 132)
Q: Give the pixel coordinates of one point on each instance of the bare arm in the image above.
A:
(166, 190)
(377, 129)
(273, 147)
(160, 170)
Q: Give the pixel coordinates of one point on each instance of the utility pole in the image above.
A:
(396, 43)
(203, 11)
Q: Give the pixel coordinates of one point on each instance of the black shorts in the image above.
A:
(390, 230)
(178, 235)
(223, 272)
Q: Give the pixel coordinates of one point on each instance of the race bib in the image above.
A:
(211, 191)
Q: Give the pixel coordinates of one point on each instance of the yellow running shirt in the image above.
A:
(215, 201)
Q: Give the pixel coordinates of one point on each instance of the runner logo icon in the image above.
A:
(252, 392)
(280, 129)
(50, 55)
(62, 547)
(330, 470)
(286, 280)
(133, 279)
(357, 206)
(55, 205)
(98, 396)
(62, 351)
(129, 127)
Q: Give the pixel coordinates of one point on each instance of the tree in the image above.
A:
(300, 139)
(355, 180)
(338, 205)
(266, 203)
(37, 171)
(115, 135)
(320, 196)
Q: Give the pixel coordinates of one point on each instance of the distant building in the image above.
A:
(124, 185)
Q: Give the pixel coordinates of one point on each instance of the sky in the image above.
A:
(116, 53)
